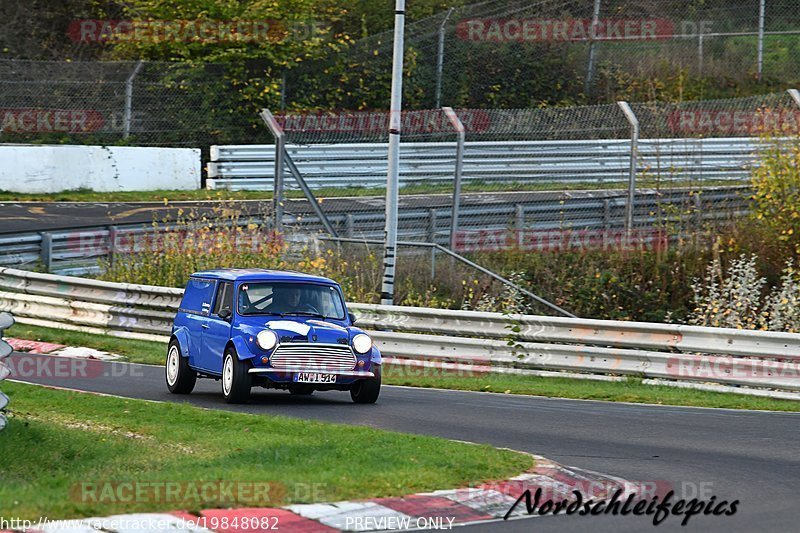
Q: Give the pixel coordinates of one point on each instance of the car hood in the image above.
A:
(306, 330)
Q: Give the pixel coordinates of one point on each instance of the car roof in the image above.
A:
(259, 274)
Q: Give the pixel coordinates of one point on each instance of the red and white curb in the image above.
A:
(49, 348)
(442, 509)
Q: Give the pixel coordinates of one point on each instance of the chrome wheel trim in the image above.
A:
(227, 375)
(173, 360)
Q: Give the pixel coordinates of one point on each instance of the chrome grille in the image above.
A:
(313, 357)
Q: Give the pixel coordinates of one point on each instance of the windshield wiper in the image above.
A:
(299, 313)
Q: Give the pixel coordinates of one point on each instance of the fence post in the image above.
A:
(440, 59)
(126, 118)
(47, 251)
(592, 47)
(6, 321)
(634, 122)
(700, 51)
(761, 13)
(458, 126)
(277, 195)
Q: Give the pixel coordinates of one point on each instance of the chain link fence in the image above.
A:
(531, 177)
(525, 54)
(509, 55)
(137, 103)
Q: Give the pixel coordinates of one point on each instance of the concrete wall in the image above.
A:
(28, 168)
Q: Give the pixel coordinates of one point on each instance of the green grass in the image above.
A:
(57, 440)
(84, 195)
(631, 390)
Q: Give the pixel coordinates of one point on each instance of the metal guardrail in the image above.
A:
(747, 360)
(76, 252)
(6, 321)
(239, 167)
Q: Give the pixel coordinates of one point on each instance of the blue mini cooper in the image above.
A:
(269, 328)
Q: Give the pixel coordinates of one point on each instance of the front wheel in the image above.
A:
(367, 390)
(180, 377)
(236, 381)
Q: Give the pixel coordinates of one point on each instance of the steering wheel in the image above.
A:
(309, 307)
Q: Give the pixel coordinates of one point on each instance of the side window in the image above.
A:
(224, 298)
(197, 296)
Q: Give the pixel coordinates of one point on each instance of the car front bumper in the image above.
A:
(361, 374)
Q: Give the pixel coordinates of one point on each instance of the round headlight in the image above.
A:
(362, 343)
(266, 339)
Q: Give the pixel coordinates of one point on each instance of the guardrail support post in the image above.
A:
(432, 225)
(698, 210)
(519, 223)
(459, 169)
(349, 226)
(47, 251)
(606, 214)
(112, 243)
(634, 122)
(280, 141)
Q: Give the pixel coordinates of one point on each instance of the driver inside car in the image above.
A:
(290, 300)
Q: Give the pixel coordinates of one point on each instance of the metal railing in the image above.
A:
(747, 362)
(6, 321)
(77, 251)
(245, 167)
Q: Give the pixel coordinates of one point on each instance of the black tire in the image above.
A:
(367, 390)
(179, 376)
(236, 386)
(301, 390)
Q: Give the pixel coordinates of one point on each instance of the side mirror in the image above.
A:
(225, 314)
(352, 317)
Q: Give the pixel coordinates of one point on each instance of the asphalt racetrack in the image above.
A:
(750, 456)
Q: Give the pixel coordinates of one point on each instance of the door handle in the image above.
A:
(204, 326)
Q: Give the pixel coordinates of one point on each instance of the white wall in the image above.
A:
(29, 168)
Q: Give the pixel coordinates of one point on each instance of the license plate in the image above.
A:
(310, 377)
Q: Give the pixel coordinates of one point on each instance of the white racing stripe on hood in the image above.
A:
(330, 325)
(289, 325)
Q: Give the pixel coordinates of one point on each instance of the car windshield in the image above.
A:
(285, 299)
